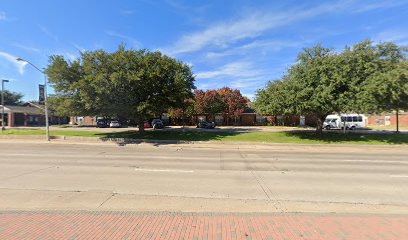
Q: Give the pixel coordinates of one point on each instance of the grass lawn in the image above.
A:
(387, 128)
(270, 137)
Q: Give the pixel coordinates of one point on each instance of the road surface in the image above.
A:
(281, 178)
(105, 191)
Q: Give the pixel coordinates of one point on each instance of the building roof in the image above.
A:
(23, 109)
(249, 110)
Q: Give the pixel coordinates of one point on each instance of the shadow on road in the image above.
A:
(134, 137)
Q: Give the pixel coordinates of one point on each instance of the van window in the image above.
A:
(349, 119)
(343, 119)
(355, 119)
(359, 118)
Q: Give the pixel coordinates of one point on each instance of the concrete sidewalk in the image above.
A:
(139, 225)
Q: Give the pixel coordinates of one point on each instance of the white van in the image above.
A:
(352, 121)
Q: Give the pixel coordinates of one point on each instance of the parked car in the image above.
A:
(157, 123)
(146, 125)
(206, 125)
(101, 123)
(114, 124)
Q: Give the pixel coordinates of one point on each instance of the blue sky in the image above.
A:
(237, 43)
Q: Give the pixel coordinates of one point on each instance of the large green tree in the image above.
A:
(387, 91)
(323, 82)
(126, 83)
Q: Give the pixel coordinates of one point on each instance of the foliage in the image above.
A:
(386, 91)
(224, 100)
(233, 100)
(323, 82)
(208, 102)
(127, 83)
(12, 98)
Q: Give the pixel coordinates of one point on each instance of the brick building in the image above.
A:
(15, 116)
(28, 115)
(83, 120)
(388, 119)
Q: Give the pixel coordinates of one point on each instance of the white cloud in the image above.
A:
(378, 5)
(241, 75)
(48, 33)
(12, 60)
(233, 70)
(79, 48)
(223, 34)
(25, 47)
(261, 45)
(131, 40)
(3, 16)
(398, 37)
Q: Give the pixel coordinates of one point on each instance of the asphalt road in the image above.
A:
(212, 178)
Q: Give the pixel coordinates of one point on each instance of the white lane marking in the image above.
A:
(163, 170)
(399, 176)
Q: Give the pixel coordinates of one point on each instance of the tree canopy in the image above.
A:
(224, 100)
(12, 98)
(323, 81)
(134, 84)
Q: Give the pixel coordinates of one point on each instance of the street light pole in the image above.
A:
(2, 104)
(47, 125)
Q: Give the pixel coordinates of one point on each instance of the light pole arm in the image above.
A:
(47, 125)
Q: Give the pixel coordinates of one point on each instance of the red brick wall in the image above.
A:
(88, 121)
(403, 120)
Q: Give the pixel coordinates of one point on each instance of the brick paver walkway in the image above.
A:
(132, 225)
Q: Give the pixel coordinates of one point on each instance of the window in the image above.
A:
(343, 119)
(355, 119)
(359, 119)
(349, 119)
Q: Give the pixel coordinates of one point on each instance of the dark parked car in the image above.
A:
(157, 123)
(206, 125)
(101, 123)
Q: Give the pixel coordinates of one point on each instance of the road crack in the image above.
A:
(107, 199)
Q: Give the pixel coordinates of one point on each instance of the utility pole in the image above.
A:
(2, 104)
(397, 120)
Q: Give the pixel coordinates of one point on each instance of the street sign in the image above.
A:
(41, 98)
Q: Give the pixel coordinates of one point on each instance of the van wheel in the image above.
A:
(353, 128)
(327, 127)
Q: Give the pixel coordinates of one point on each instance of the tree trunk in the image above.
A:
(319, 124)
(397, 120)
(184, 124)
(141, 126)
